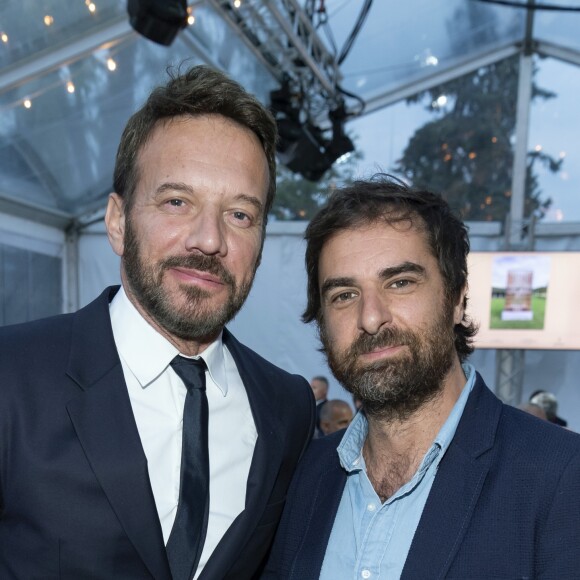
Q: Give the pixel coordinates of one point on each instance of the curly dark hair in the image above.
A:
(200, 90)
(384, 198)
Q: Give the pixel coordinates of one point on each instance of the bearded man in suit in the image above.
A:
(113, 462)
(434, 477)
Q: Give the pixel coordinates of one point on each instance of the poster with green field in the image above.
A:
(519, 291)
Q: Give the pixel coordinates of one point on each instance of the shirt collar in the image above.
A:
(148, 353)
(352, 442)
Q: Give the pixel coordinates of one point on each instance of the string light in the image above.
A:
(237, 3)
(472, 155)
(494, 139)
(538, 148)
(70, 87)
(48, 20)
(190, 16)
(111, 64)
(4, 37)
(92, 8)
(27, 103)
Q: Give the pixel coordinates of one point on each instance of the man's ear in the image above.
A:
(459, 310)
(115, 222)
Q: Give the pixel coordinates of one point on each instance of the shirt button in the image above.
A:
(371, 507)
(366, 573)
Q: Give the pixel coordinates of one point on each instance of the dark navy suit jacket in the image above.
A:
(75, 497)
(505, 503)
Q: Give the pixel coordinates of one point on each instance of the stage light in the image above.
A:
(158, 20)
(302, 146)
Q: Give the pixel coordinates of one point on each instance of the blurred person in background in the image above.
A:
(549, 403)
(335, 415)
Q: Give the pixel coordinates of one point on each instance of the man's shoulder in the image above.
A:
(49, 335)
(537, 435)
(44, 330)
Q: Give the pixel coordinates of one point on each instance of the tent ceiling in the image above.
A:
(63, 108)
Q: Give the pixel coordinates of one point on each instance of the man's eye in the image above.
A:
(240, 215)
(175, 202)
(401, 284)
(343, 297)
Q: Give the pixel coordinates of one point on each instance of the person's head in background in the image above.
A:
(335, 415)
(319, 386)
(547, 401)
(534, 409)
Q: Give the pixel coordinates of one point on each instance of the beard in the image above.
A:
(393, 389)
(195, 319)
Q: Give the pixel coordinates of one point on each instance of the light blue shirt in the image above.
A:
(370, 540)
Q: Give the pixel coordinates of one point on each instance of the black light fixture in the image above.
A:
(302, 146)
(158, 20)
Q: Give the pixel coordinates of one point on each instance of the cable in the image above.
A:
(355, 31)
(534, 6)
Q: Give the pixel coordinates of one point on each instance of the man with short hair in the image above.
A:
(435, 477)
(138, 438)
(319, 385)
(335, 415)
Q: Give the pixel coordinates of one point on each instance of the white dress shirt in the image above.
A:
(158, 396)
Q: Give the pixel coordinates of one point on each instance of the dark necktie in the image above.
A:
(188, 533)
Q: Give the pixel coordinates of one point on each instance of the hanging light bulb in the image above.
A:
(4, 37)
(48, 20)
(111, 64)
(92, 8)
(237, 3)
(190, 16)
(70, 87)
(27, 103)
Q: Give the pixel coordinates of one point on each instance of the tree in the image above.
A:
(466, 153)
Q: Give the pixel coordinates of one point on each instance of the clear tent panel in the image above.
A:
(405, 42)
(59, 131)
(554, 133)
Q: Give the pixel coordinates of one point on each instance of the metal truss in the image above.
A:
(282, 36)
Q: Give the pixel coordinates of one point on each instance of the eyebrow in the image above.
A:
(174, 186)
(385, 274)
(404, 268)
(251, 199)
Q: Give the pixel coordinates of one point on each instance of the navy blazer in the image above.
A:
(75, 497)
(505, 503)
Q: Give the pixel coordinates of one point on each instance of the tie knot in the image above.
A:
(191, 371)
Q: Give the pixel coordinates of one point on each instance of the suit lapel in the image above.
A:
(105, 425)
(456, 488)
(326, 497)
(265, 461)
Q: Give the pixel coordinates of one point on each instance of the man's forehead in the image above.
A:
(368, 237)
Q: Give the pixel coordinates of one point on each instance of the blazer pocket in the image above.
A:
(272, 513)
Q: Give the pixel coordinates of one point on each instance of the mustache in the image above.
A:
(387, 337)
(202, 263)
